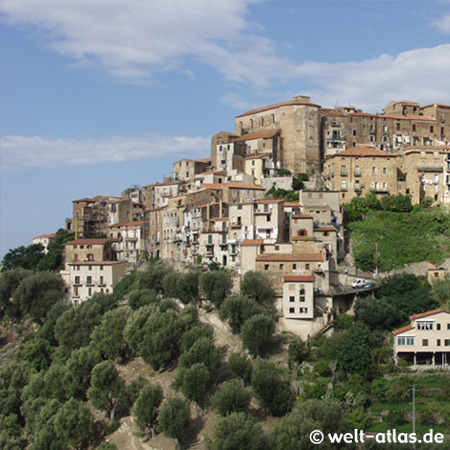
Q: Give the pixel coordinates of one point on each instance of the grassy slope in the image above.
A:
(403, 238)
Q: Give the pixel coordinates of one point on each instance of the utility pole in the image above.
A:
(414, 411)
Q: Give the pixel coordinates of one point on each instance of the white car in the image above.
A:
(358, 284)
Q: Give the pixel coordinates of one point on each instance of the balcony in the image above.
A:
(357, 174)
(430, 169)
(237, 224)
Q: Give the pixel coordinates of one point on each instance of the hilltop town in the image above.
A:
(269, 198)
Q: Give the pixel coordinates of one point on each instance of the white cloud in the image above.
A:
(20, 153)
(443, 24)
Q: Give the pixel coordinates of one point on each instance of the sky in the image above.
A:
(99, 95)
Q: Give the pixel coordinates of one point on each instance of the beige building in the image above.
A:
(426, 174)
(129, 240)
(88, 250)
(84, 279)
(360, 170)
(298, 296)
(186, 169)
(426, 341)
(297, 144)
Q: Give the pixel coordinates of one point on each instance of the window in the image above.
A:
(307, 266)
(101, 280)
(303, 310)
(438, 326)
(398, 126)
(101, 267)
(431, 129)
(409, 341)
(438, 342)
(374, 170)
(354, 132)
(89, 267)
(75, 290)
(357, 170)
(447, 342)
(292, 299)
(424, 342)
(343, 185)
(281, 266)
(89, 280)
(302, 298)
(294, 266)
(90, 291)
(75, 257)
(414, 127)
(209, 238)
(343, 170)
(77, 280)
(292, 310)
(266, 266)
(292, 287)
(385, 170)
(424, 325)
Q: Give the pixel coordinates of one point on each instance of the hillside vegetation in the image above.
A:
(403, 237)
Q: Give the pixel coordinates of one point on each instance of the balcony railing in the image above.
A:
(430, 169)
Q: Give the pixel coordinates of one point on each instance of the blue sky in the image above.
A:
(99, 95)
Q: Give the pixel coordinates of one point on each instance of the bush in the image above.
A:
(240, 366)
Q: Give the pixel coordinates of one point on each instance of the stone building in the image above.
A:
(295, 124)
(362, 169)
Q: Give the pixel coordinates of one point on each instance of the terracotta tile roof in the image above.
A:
(295, 101)
(244, 186)
(218, 219)
(259, 135)
(401, 330)
(325, 229)
(302, 278)
(203, 160)
(261, 155)
(428, 313)
(96, 263)
(252, 242)
(51, 235)
(88, 241)
(128, 224)
(290, 204)
(361, 150)
(290, 257)
(211, 186)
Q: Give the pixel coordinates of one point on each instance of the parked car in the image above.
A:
(369, 285)
(358, 284)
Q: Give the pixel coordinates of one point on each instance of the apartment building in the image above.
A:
(298, 297)
(89, 269)
(359, 170)
(185, 169)
(129, 240)
(426, 340)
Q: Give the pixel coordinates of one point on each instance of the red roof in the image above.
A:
(252, 242)
(296, 101)
(211, 186)
(302, 216)
(52, 235)
(401, 330)
(325, 229)
(89, 200)
(428, 313)
(290, 257)
(204, 160)
(261, 155)
(302, 278)
(244, 186)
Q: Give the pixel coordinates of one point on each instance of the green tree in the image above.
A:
(142, 297)
(365, 259)
(14, 376)
(216, 286)
(270, 389)
(355, 210)
(192, 382)
(238, 431)
(155, 335)
(170, 284)
(375, 313)
(54, 258)
(187, 286)
(407, 294)
(36, 351)
(9, 282)
(174, 418)
(231, 397)
(293, 431)
(236, 310)
(194, 334)
(441, 291)
(79, 367)
(298, 182)
(152, 277)
(353, 351)
(24, 257)
(240, 366)
(257, 286)
(372, 201)
(37, 293)
(298, 351)
(107, 388)
(75, 424)
(107, 337)
(146, 407)
(47, 330)
(202, 351)
(257, 332)
(73, 329)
